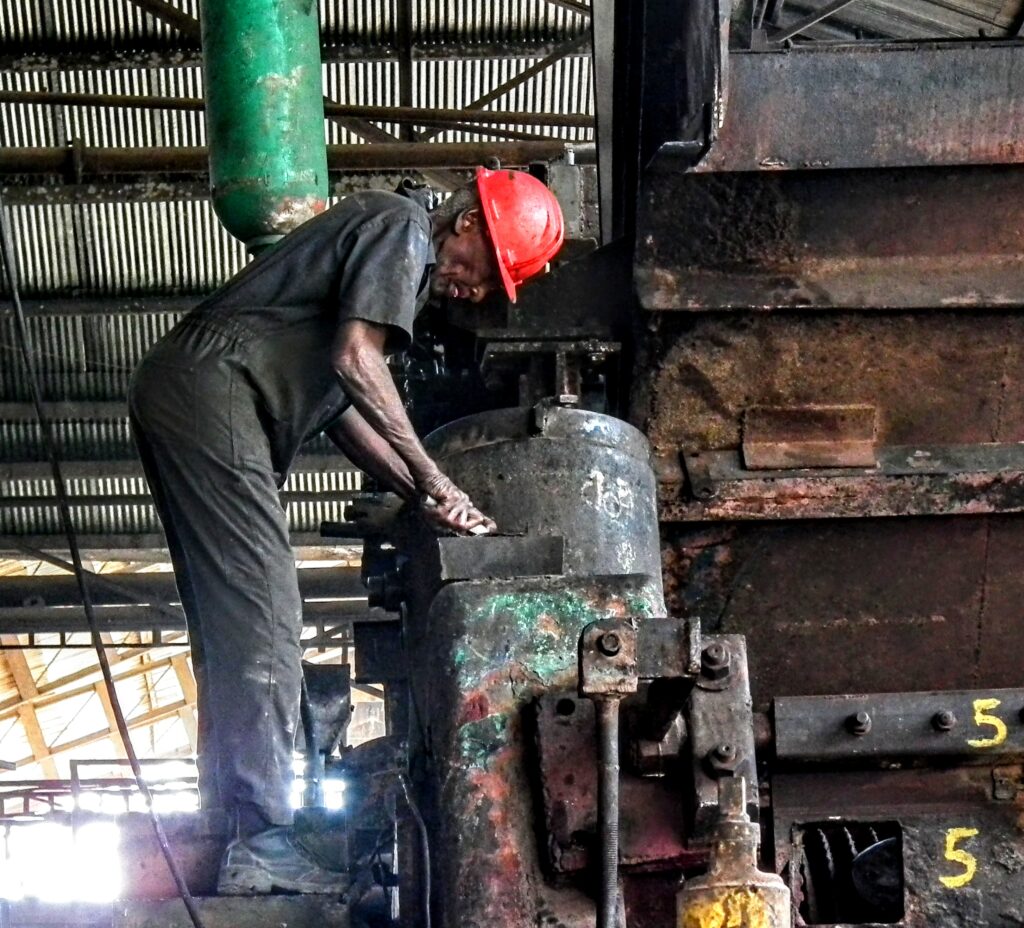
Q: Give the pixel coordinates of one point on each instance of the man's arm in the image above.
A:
(371, 454)
(358, 359)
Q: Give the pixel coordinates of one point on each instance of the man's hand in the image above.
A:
(445, 506)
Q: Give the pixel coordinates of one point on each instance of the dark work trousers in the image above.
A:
(207, 460)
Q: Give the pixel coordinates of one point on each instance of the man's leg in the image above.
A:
(206, 753)
(209, 462)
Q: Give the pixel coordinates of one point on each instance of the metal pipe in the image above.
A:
(386, 156)
(411, 114)
(607, 710)
(264, 115)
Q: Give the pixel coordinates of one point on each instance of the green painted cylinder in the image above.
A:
(264, 115)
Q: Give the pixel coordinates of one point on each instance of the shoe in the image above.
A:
(273, 860)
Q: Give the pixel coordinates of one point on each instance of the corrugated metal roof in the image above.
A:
(121, 22)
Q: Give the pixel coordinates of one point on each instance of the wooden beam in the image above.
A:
(187, 715)
(41, 754)
(186, 679)
(28, 690)
(140, 721)
(108, 711)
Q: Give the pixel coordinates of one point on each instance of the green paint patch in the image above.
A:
(637, 605)
(479, 740)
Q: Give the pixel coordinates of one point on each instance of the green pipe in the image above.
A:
(264, 115)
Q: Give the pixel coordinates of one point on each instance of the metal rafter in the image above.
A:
(574, 45)
(811, 19)
(93, 162)
(167, 13)
(403, 114)
(574, 6)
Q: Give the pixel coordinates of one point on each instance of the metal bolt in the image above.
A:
(567, 399)
(859, 724)
(723, 757)
(944, 720)
(715, 660)
(609, 644)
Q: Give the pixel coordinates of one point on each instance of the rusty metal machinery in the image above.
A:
(823, 361)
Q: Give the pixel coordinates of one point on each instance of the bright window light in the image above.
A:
(87, 861)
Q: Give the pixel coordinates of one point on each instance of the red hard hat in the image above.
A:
(524, 221)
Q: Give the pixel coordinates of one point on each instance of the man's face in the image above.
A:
(466, 268)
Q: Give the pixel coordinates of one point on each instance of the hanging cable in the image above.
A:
(25, 346)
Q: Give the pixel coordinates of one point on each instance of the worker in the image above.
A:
(295, 345)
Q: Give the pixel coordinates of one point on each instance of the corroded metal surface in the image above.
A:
(872, 106)
(935, 379)
(864, 239)
(909, 480)
(652, 829)
(598, 490)
(962, 846)
(974, 726)
(858, 606)
(496, 646)
(264, 115)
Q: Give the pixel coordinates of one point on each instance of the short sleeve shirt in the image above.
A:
(368, 257)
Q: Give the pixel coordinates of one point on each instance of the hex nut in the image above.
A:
(609, 644)
(724, 758)
(715, 661)
(944, 720)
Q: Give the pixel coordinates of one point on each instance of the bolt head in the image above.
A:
(609, 644)
(944, 720)
(859, 723)
(723, 757)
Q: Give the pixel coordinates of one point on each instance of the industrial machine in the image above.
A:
(743, 653)
(808, 307)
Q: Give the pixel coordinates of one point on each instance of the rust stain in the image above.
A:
(474, 708)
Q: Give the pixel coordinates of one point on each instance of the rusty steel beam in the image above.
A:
(853, 239)
(56, 54)
(872, 106)
(87, 161)
(912, 480)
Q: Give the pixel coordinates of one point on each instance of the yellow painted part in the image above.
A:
(731, 908)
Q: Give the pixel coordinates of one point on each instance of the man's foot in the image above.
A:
(273, 860)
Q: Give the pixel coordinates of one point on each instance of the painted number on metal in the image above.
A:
(959, 856)
(984, 718)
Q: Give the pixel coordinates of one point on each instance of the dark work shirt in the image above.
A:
(368, 257)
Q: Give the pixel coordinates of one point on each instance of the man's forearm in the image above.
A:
(371, 454)
(363, 372)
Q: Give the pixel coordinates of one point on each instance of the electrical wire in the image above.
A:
(25, 346)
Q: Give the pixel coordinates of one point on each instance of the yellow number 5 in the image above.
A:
(968, 861)
(982, 717)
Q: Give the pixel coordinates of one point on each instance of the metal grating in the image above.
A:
(79, 357)
(125, 509)
(109, 21)
(122, 248)
(564, 87)
(120, 22)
